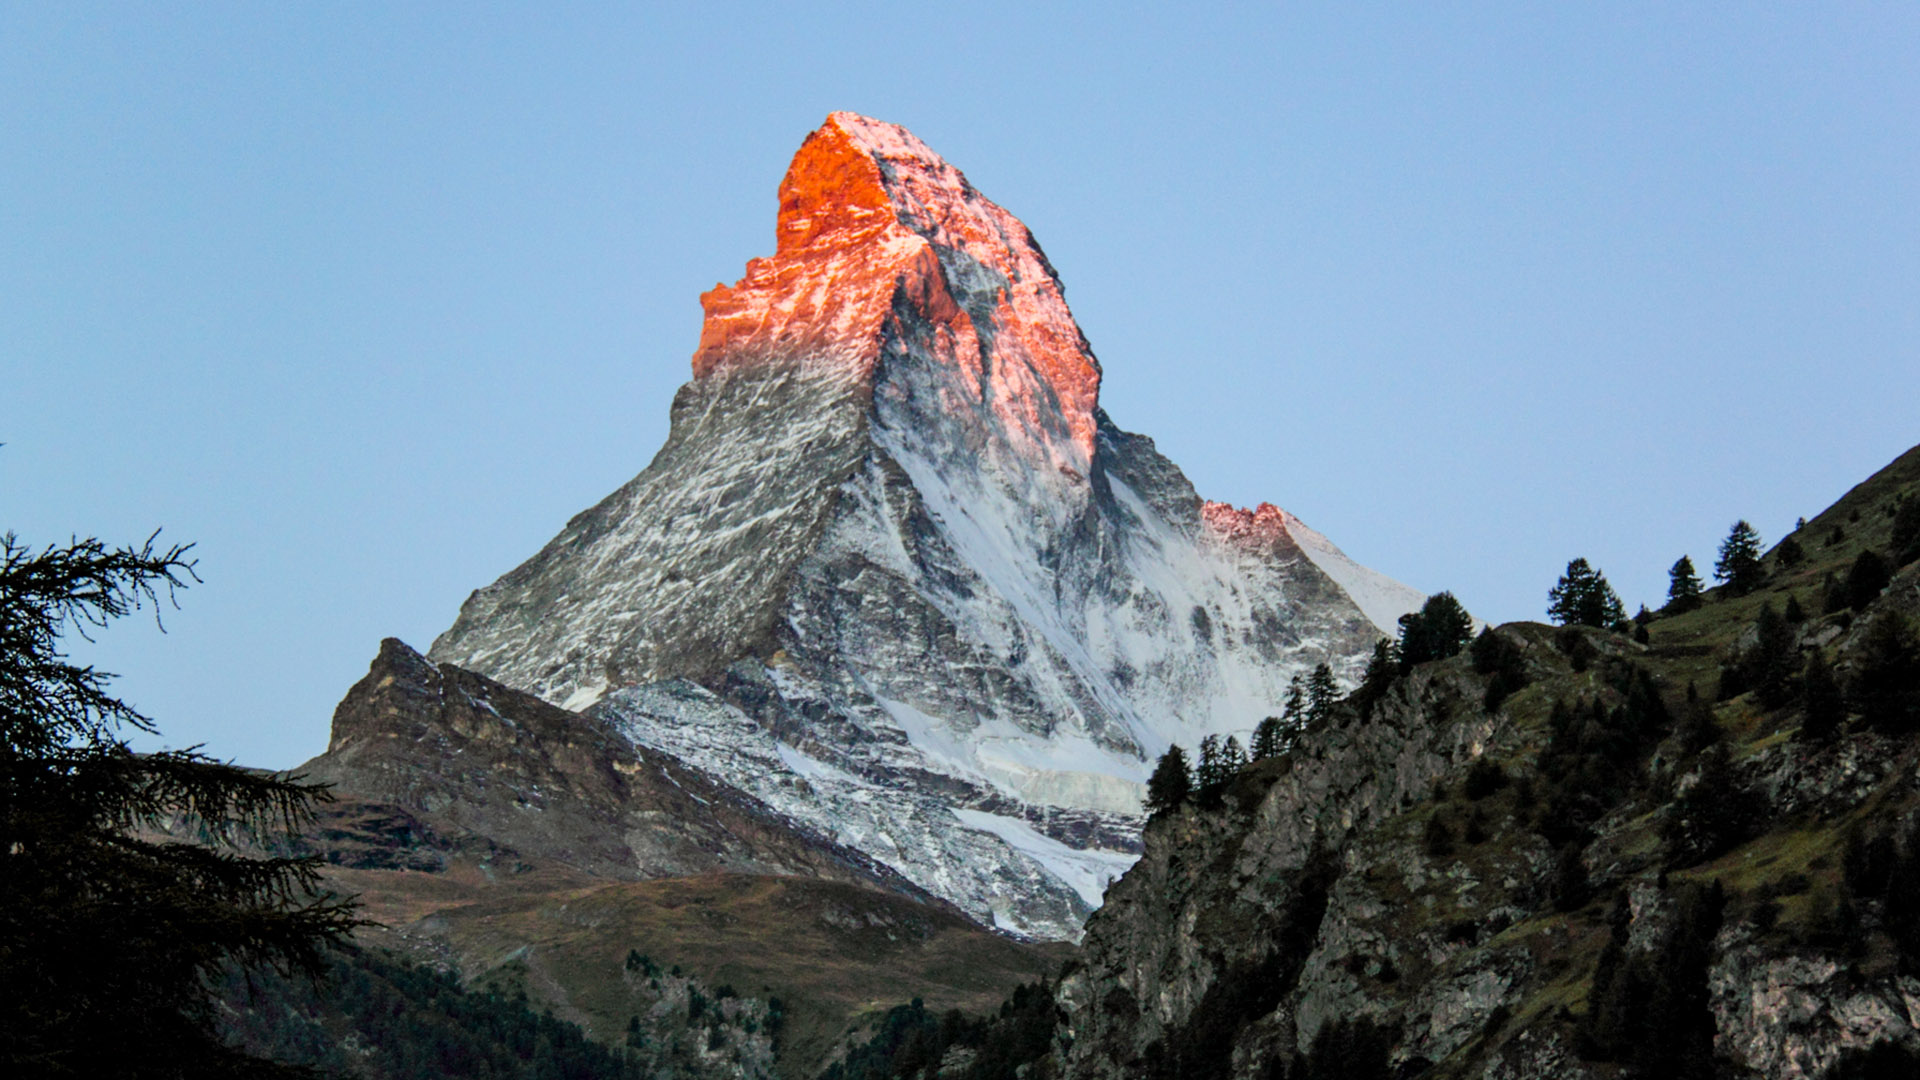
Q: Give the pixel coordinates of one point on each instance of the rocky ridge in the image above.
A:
(1588, 871)
(897, 574)
(427, 760)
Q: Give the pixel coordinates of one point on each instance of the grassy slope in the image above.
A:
(1795, 860)
(835, 954)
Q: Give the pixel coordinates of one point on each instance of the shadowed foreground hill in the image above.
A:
(528, 851)
(1563, 853)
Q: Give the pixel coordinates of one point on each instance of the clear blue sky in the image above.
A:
(369, 299)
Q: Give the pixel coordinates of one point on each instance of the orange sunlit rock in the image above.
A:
(872, 227)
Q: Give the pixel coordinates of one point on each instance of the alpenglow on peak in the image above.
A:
(895, 571)
(871, 217)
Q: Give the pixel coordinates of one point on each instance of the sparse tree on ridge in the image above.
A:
(1583, 598)
(1171, 783)
(1683, 586)
(1739, 563)
(1207, 775)
(1294, 713)
(1322, 692)
(1269, 739)
(1441, 628)
(1232, 758)
(1382, 668)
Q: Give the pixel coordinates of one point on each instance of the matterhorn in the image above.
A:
(897, 575)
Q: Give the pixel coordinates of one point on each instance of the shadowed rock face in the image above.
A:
(430, 759)
(894, 562)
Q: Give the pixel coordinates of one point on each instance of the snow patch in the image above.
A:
(1089, 872)
(1380, 598)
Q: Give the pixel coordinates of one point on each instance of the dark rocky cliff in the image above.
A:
(1603, 874)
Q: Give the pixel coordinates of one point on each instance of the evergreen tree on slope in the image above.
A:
(111, 936)
(1582, 597)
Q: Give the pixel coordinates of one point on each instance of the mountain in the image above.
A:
(897, 575)
(459, 762)
(1681, 852)
(531, 853)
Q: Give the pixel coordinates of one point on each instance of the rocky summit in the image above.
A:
(897, 575)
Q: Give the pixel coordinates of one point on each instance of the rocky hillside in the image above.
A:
(897, 574)
(430, 759)
(1685, 850)
(524, 853)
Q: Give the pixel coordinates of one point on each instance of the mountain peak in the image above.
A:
(876, 228)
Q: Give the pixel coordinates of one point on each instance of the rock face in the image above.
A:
(1287, 904)
(428, 759)
(1553, 857)
(896, 573)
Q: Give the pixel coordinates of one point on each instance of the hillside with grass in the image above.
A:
(1680, 845)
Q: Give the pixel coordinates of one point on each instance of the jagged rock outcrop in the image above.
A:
(896, 572)
(1291, 894)
(428, 759)
(1650, 882)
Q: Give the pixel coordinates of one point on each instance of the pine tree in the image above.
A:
(1906, 530)
(1171, 783)
(1885, 689)
(1294, 712)
(1441, 628)
(112, 939)
(1789, 554)
(1683, 586)
(1739, 564)
(1382, 668)
(1208, 775)
(1773, 661)
(1867, 578)
(1582, 597)
(1232, 758)
(1794, 613)
(1322, 692)
(1826, 710)
(1269, 739)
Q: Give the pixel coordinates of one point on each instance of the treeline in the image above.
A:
(382, 1018)
(1440, 629)
(1583, 597)
(911, 1041)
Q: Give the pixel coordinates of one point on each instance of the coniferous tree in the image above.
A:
(1171, 782)
(1269, 739)
(1794, 613)
(1441, 628)
(1789, 553)
(1885, 689)
(1833, 595)
(1825, 708)
(1739, 563)
(1583, 598)
(1495, 656)
(1683, 586)
(1294, 712)
(1906, 530)
(1232, 758)
(1382, 667)
(1322, 692)
(1867, 578)
(112, 939)
(1207, 774)
(1773, 661)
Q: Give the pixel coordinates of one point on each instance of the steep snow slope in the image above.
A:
(936, 603)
